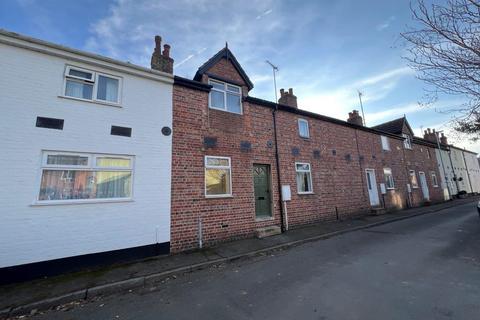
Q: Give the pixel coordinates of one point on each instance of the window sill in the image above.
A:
(305, 193)
(265, 218)
(105, 103)
(219, 196)
(305, 138)
(224, 110)
(70, 202)
(390, 189)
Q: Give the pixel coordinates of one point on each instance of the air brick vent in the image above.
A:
(49, 123)
(121, 131)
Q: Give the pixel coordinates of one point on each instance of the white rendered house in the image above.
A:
(86, 157)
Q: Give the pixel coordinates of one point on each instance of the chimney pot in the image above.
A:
(166, 50)
(158, 42)
(290, 90)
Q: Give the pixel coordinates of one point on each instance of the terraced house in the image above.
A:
(233, 154)
(108, 161)
(87, 143)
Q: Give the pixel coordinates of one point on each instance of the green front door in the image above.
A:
(261, 182)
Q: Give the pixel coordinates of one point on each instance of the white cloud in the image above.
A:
(385, 24)
(389, 74)
(263, 14)
(338, 102)
(392, 113)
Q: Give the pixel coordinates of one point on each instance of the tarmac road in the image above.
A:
(427, 267)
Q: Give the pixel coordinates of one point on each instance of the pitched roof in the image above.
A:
(394, 126)
(227, 54)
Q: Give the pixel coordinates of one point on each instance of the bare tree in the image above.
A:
(444, 49)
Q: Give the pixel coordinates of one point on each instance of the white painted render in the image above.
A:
(473, 170)
(31, 85)
(458, 164)
(446, 173)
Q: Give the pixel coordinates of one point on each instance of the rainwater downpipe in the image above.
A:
(277, 160)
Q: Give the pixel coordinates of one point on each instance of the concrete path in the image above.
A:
(414, 265)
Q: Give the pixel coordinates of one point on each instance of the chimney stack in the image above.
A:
(443, 139)
(429, 135)
(288, 98)
(161, 61)
(355, 118)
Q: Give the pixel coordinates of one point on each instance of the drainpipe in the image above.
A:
(277, 160)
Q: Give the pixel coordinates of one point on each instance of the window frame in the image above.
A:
(385, 178)
(93, 82)
(224, 92)
(434, 181)
(309, 171)
(305, 121)
(407, 141)
(229, 167)
(410, 179)
(385, 143)
(91, 166)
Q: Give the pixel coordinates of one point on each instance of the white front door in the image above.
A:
(423, 183)
(372, 187)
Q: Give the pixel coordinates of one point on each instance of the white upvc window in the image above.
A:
(413, 179)
(90, 85)
(407, 142)
(389, 183)
(303, 130)
(385, 143)
(218, 177)
(68, 177)
(225, 96)
(304, 178)
(434, 179)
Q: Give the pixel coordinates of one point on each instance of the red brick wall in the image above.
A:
(339, 178)
(417, 159)
(222, 218)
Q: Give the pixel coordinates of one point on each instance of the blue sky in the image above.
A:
(325, 50)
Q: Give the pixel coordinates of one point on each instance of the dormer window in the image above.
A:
(225, 97)
(407, 143)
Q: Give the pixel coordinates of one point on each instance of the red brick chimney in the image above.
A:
(355, 118)
(161, 61)
(430, 135)
(288, 98)
(443, 139)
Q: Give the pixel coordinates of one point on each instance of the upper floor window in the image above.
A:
(225, 96)
(385, 143)
(303, 128)
(90, 85)
(79, 177)
(407, 142)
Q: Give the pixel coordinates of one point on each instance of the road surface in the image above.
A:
(427, 267)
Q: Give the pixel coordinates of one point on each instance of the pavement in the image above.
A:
(152, 280)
